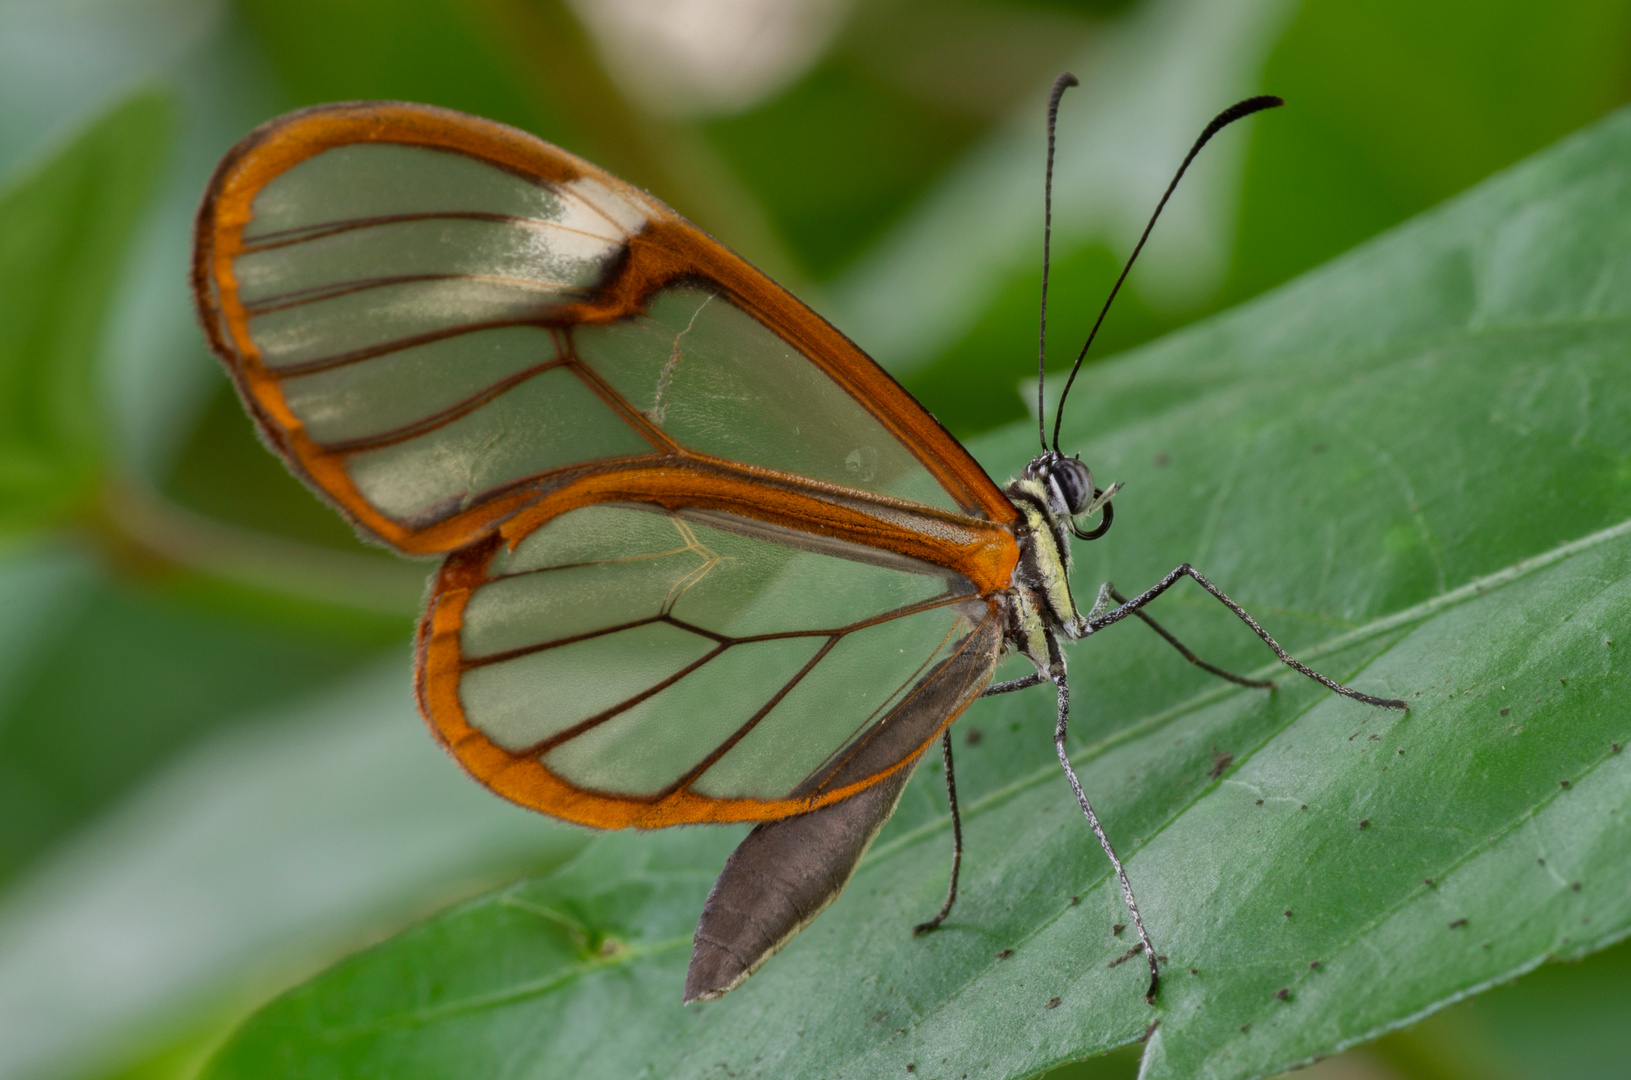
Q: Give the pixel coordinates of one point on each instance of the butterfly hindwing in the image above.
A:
(625, 664)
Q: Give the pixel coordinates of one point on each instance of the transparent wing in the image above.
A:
(627, 664)
(436, 320)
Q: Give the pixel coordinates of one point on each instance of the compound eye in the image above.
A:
(1075, 484)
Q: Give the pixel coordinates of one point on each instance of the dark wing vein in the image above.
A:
(385, 348)
(752, 721)
(302, 297)
(848, 744)
(599, 718)
(724, 639)
(543, 746)
(302, 234)
(430, 423)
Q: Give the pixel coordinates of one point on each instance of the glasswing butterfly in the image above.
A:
(702, 559)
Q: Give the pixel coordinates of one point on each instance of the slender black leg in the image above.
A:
(956, 841)
(1098, 830)
(1033, 679)
(1131, 607)
(1267, 684)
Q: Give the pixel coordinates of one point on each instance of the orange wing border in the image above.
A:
(981, 546)
(525, 780)
(668, 250)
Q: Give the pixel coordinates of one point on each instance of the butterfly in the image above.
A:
(702, 560)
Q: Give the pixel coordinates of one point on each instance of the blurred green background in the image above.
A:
(212, 781)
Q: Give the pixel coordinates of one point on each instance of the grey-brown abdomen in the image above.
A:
(780, 878)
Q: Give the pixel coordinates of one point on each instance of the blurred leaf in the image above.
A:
(1395, 106)
(1562, 1020)
(972, 386)
(117, 680)
(1415, 466)
(891, 146)
(1392, 108)
(1151, 79)
(63, 232)
(408, 50)
(223, 471)
(248, 860)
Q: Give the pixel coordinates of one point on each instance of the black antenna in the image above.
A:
(1060, 85)
(1222, 120)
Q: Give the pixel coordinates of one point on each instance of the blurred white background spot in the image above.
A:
(709, 56)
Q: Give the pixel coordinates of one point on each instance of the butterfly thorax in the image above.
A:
(1040, 605)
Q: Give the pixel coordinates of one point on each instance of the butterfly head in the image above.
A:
(1071, 494)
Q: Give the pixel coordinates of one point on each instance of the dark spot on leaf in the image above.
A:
(1118, 928)
(1375, 738)
(1575, 886)
(1053, 1003)
(1505, 711)
(1616, 747)
(1319, 448)
(1075, 900)
(1565, 783)
(1150, 1031)
(1565, 682)
(1313, 965)
(911, 1067)
(1194, 971)
(1288, 913)
(973, 736)
(1458, 924)
(1541, 861)
(1365, 824)
(1305, 806)
(1282, 993)
(1005, 954)
(1220, 762)
(1401, 751)
(1259, 802)
(1162, 460)
(1427, 881)
(1245, 1027)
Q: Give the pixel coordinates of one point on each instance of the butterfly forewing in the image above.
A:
(436, 318)
(625, 664)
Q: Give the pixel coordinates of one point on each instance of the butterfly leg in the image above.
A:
(1059, 681)
(1035, 678)
(1267, 684)
(1131, 607)
(956, 841)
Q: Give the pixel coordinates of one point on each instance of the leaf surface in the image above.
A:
(1414, 466)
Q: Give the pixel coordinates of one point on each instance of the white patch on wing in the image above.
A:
(602, 203)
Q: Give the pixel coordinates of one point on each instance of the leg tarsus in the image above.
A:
(1133, 606)
(956, 841)
(1098, 830)
(1263, 684)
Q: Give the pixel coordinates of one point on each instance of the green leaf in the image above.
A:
(63, 231)
(1415, 467)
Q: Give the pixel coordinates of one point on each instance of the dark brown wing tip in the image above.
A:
(714, 972)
